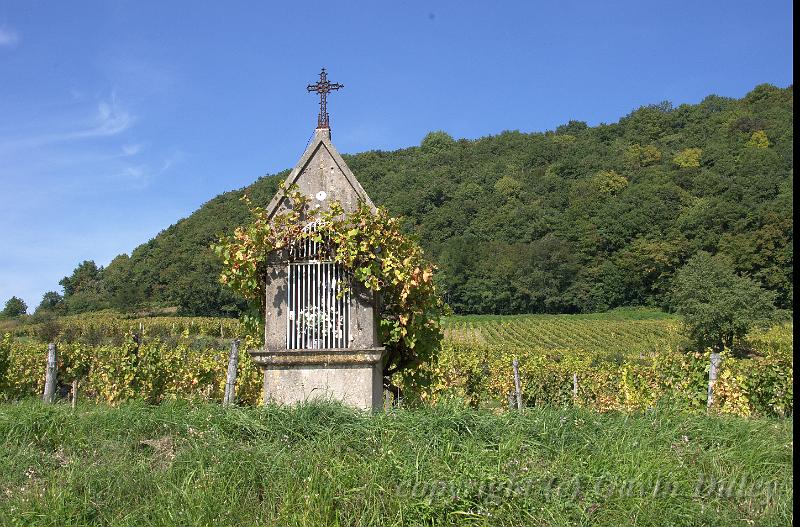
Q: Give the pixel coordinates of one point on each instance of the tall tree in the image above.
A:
(84, 289)
(51, 302)
(718, 306)
(15, 307)
(82, 276)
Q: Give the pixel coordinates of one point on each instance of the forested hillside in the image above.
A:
(572, 220)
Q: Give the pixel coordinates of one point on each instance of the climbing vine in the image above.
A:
(371, 246)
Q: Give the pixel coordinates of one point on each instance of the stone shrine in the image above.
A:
(320, 337)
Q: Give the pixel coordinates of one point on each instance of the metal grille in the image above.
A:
(318, 300)
(309, 249)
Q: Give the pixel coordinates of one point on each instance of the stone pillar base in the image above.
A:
(352, 376)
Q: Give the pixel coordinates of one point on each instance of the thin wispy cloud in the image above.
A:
(131, 149)
(8, 37)
(140, 176)
(144, 77)
(108, 119)
(83, 153)
(176, 157)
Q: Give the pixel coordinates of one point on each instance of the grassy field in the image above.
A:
(201, 464)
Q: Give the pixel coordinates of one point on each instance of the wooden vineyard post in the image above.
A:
(713, 371)
(50, 374)
(574, 388)
(517, 389)
(74, 393)
(233, 364)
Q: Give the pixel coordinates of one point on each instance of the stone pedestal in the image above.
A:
(352, 376)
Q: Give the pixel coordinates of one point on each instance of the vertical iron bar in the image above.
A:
(311, 306)
(288, 303)
(343, 302)
(346, 309)
(294, 306)
(297, 275)
(300, 307)
(337, 322)
(304, 301)
(314, 298)
(307, 306)
(331, 318)
(339, 309)
(293, 299)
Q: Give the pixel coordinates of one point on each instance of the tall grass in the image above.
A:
(199, 464)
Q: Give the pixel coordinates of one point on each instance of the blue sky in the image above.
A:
(119, 118)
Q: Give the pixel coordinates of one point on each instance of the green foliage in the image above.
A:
(118, 279)
(688, 158)
(553, 239)
(84, 290)
(52, 302)
(436, 142)
(758, 140)
(573, 128)
(14, 307)
(717, 305)
(608, 182)
(370, 247)
(83, 277)
(637, 156)
(508, 187)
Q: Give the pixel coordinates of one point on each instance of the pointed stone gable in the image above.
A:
(323, 176)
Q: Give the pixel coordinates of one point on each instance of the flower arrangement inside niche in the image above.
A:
(316, 322)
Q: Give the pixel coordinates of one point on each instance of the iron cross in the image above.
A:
(323, 88)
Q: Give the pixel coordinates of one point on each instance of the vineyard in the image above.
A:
(621, 360)
(624, 333)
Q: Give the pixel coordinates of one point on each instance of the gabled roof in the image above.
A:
(321, 140)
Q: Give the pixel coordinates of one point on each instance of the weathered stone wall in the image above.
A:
(357, 383)
(323, 176)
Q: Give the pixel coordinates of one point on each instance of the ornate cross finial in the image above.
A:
(323, 87)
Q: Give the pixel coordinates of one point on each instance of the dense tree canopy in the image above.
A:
(85, 289)
(577, 219)
(718, 306)
(14, 307)
(52, 302)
